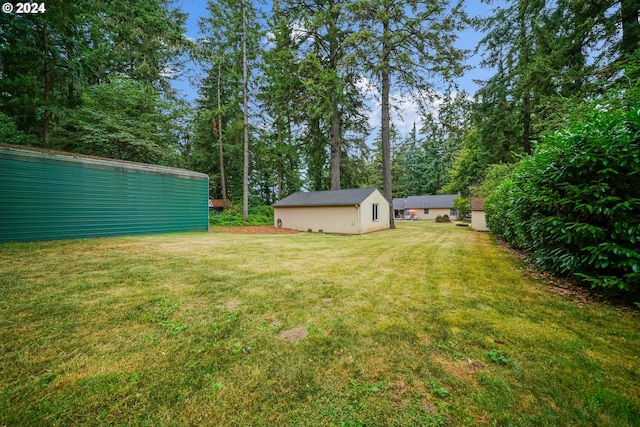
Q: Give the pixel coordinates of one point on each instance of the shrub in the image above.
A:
(462, 205)
(225, 219)
(496, 173)
(9, 133)
(574, 205)
(443, 218)
(258, 215)
(261, 215)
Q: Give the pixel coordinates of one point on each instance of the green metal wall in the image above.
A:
(50, 196)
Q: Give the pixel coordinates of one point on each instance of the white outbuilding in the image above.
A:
(478, 219)
(354, 211)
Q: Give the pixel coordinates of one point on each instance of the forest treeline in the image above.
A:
(288, 89)
(94, 77)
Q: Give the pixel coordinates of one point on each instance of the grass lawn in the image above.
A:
(427, 325)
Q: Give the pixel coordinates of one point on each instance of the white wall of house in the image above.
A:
(433, 213)
(329, 219)
(367, 221)
(478, 221)
(336, 219)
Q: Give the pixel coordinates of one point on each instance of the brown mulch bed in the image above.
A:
(253, 229)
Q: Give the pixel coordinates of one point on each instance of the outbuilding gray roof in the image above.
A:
(430, 202)
(350, 197)
(398, 203)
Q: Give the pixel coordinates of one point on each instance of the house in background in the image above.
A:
(425, 207)
(354, 211)
(398, 207)
(218, 205)
(478, 219)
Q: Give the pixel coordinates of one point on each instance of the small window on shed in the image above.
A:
(375, 212)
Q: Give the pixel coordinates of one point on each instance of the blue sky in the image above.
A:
(408, 114)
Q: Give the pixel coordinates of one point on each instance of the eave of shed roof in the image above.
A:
(350, 197)
(477, 204)
(81, 160)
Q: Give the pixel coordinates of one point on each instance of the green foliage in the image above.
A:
(124, 119)
(462, 205)
(494, 176)
(469, 164)
(281, 86)
(421, 162)
(258, 215)
(443, 218)
(548, 58)
(497, 357)
(218, 125)
(49, 59)
(9, 133)
(574, 205)
(321, 96)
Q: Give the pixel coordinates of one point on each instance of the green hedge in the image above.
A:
(258, 215)
(574, 205)
(441, 218)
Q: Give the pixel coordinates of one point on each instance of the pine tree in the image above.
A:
(330, 101)
(280, 89)
(228, 51)
(48, 60)
(413, 42)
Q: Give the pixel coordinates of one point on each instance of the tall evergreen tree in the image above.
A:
(413, 42)
(629, 15)
(48, 60)
(221, 101)
(124, 119)
(547, 52)
(280, 89)
(332, 104)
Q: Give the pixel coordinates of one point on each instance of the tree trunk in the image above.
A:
(386, 144)
(317, 155)
(630, 27)
(223, 184)
(46, 72)
(336, 137)
(245, 180)
(526, 120)
(280, 160)
(336, 149)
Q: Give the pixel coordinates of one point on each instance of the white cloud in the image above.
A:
(169, 72)
(299, 32)
(367, 87)
(405, 112)
(405, 108)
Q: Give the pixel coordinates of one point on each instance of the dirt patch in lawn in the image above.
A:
(463, 369)
(254, 229)
(294, 334)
